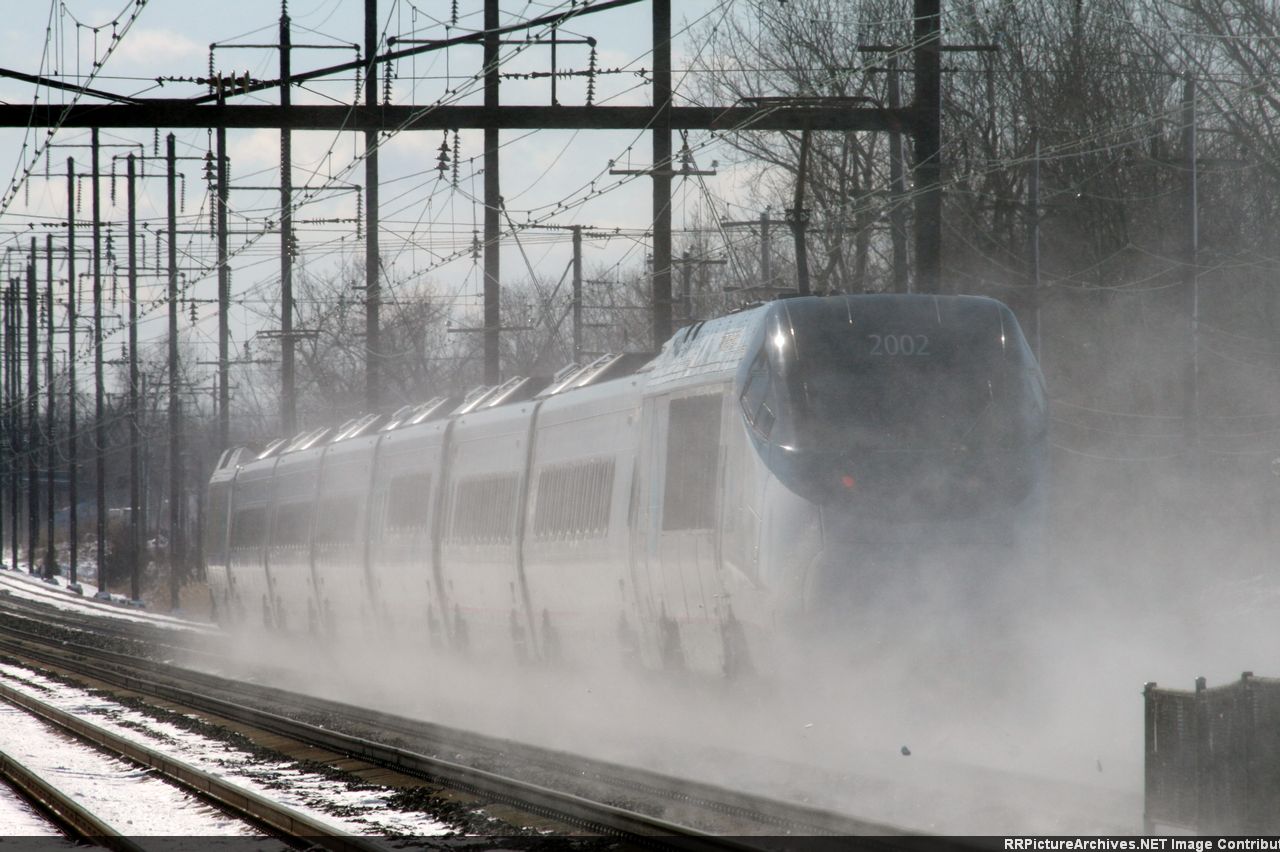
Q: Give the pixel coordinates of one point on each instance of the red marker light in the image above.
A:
(847, 481)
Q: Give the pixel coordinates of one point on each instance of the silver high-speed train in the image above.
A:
(769, 472)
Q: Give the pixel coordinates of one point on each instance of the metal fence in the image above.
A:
(1213, 758)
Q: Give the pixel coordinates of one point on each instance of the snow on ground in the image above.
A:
(17, 818)
(367, 809)
(126, 797)
(21, 584)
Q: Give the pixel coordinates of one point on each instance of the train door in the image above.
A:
(748, 602)
(678, 528)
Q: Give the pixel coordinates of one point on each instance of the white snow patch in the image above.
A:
(24, 585)
(126, 797)
(281, 781)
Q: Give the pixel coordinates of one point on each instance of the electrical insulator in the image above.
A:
(194, 316)
(591, 76)
(442, 159)
(112, 191)
(457, 156)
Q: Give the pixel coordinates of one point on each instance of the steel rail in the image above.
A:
(230, 797)
(68, 814)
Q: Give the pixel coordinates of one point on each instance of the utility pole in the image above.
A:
(50, 445)
(798, 218)
(897, 190)
(661, 15)
(577, 293)
(73, 437)
(928, 144)
(687, 262)
(372, 262)
(1033, 228)
(16, 443)
(7, 445)
(33, 412)
(135, 432)
(224, 296)
(1191, 412)
(492, 202)
(99, 425)
(175, 414)
(288, 403)
(764, 223)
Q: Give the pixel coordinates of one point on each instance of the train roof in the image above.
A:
(706, 350)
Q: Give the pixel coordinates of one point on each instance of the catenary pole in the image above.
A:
(135, 426)
(50, 445)
(176, 543)
(288, 400)
(492, 202)
(99, 392)
(372, 263)
(928, 144)
(33, 413)
(73, 436)
(661, 20)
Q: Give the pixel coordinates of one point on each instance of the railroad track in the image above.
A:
(577, 794)
(294, 827)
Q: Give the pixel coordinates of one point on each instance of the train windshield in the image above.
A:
(918, 374)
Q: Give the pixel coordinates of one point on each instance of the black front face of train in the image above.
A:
(918, 427)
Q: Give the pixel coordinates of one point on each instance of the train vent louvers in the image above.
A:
(432, 409)
(514, 389)
(561, 380)
(307, 440)
(396, 420)
(273, 448)
(357, 427)
(234, 456)
(472, 400)
(347, 425)
(610, 366)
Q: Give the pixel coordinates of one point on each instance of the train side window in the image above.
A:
(247, 527)
(573, 500)
(408, 499)
(693, 456)
(759, 396)
(336, 521)
(484, 510)
(289, 524)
